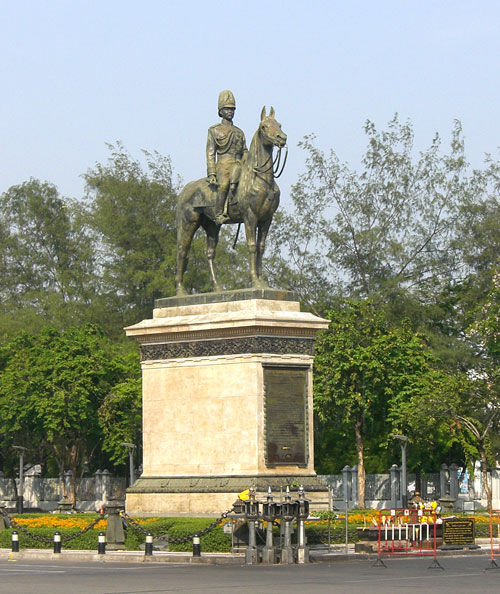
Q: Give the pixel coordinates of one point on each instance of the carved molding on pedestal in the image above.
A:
(228, 346)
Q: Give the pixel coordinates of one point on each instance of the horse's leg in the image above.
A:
(262, 232)
(250, 232)
(185, 232)
(212, 230)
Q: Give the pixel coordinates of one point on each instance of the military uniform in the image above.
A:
(226, 147)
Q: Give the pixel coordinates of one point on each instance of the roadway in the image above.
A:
(461, 575)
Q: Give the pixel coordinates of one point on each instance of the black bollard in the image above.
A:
(15, 542)
(148, 547)
(196, 546)
(101, 543)
(57, 542)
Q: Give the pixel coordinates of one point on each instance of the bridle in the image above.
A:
(276, 166)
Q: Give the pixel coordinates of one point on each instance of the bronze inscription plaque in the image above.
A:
(458, 531)
(286, 415)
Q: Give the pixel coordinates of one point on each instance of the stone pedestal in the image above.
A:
(227, 400)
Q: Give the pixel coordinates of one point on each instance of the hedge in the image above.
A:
(214, 541)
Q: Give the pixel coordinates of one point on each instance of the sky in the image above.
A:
(77, 74)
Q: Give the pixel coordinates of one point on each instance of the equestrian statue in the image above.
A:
(239, 188)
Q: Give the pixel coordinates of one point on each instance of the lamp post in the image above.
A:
(404, 481)
(20, 499)
(131, 448)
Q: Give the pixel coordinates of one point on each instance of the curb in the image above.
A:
(205, 558)
(123, 557)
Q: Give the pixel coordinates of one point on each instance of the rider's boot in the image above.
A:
(221, 208)
(230, 196)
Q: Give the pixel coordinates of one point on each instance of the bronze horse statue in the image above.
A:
(254, 204)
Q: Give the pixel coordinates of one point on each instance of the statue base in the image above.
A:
(227, 400)
(211, 495)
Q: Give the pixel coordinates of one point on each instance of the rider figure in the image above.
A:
(226, 147)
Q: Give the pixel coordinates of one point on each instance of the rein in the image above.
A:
(275, 165)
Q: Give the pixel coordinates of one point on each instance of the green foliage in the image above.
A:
(133, 212)
(213, 541)
(47, 260)
(416, 234)
(379, 230)
(52, 386)
(369, 372)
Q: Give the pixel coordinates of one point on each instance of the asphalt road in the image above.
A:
(461, 575)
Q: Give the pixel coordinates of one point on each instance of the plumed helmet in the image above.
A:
(226, 99)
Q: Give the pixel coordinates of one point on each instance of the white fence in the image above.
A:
(384, 490)
(46, 493)
(381, 490)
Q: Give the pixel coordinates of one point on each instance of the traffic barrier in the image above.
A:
(407, 532)
(494, 540)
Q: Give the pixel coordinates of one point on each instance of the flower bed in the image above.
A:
(45, 525)
(215, 541)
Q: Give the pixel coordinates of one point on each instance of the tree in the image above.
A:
(469, 409)
(481, 411)
(120, 414)
(52, 385)
(379, 231)
(133, 212)
(47, 260)
(364, 367)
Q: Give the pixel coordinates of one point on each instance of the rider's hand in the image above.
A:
(212, 180)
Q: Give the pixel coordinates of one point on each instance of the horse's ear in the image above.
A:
(271, 113)
(263, 113)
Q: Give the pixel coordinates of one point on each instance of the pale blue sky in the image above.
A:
(76, 74)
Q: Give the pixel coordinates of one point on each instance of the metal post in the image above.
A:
(196, 546)
(20, 496)
(404, 480)
(20, 501)
(131, 461)
(443, 481)
(101, 543)
(394, 470)
(15, 542)
(148, 547)
(286, 552)
(302, 515)
(131, 448)
(251, 515)
(346, 526)
(57, 542)
(288, 515)
(269, 514)
(330, 511)
(404, 497)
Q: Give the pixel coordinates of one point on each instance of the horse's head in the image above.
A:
(270, 130)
